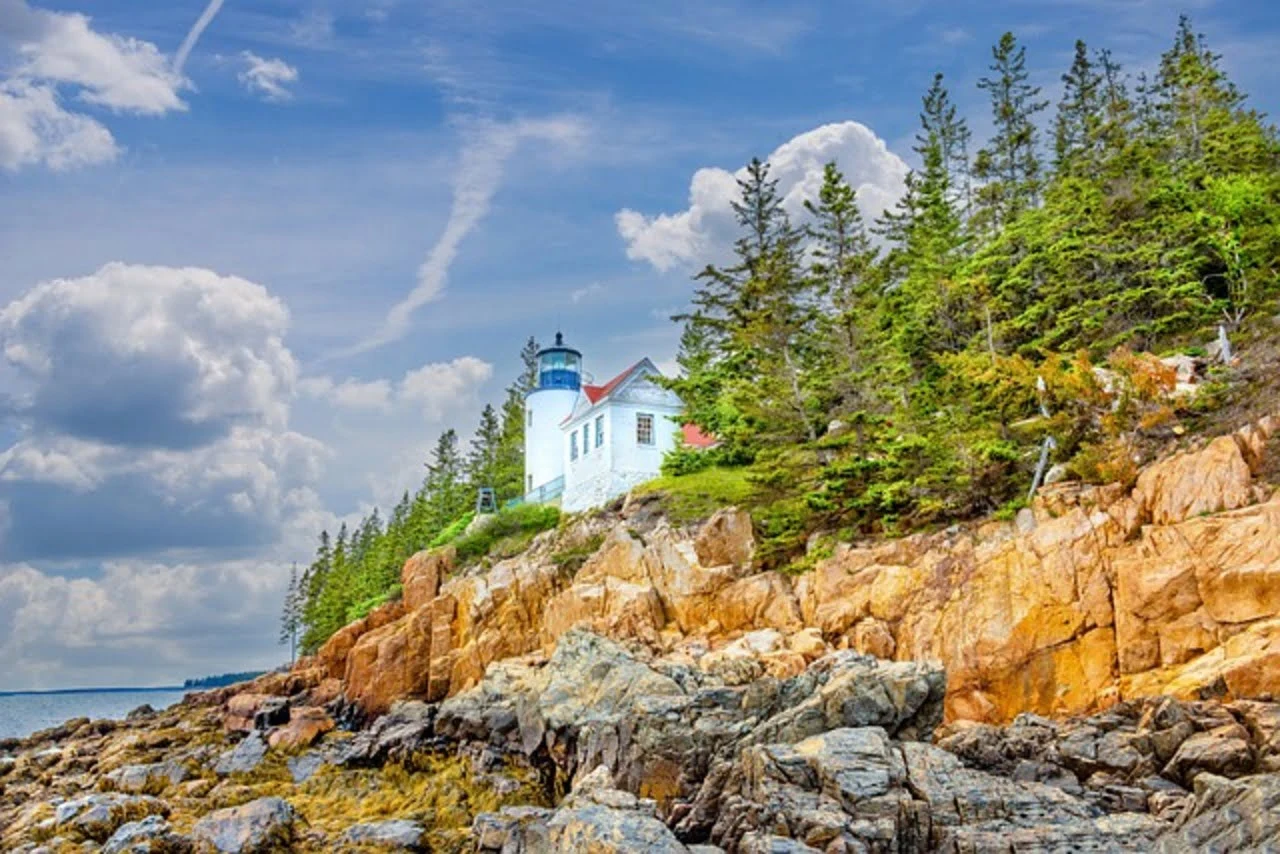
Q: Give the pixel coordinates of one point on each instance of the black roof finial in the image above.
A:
(559, 339)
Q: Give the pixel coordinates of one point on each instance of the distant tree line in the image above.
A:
(222, 679)
(359, 569)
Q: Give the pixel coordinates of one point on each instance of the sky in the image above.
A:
(255, 255)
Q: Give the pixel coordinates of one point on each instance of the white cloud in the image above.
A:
(585, 293)
(431, 390)
(153, 409)
(487, 146)
(36, 130)
(704, 232)
(113, 71)
(349, 394)
(57, 50)
(150, 356)
(267, 77)
(439, 386)
(315, 29)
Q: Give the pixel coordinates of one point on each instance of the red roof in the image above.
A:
(597, 393)
(695, 438)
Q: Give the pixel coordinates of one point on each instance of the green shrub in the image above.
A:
(509, 531)
(453, 531)
(360, 610)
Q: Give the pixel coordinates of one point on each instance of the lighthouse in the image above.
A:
(545, 408)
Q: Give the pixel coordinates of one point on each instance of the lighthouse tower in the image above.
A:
(545, 409)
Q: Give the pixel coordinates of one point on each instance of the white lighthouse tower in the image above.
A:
(545, 409)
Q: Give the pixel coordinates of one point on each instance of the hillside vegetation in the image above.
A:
(1016, 298)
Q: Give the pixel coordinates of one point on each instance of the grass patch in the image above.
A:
(508, 533)
(695, 496)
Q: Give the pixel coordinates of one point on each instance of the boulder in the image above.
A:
(244, 757)
(147, 779)
(306, 724)
(96, 817)
(264, 826)
(394, 835)
(152, 835)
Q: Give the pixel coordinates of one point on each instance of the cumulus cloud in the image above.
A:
(149, 356)
(704, 232)
(60, 51)
(35, 130)
(120, 73)
(431, 390)
(153, 412)
(487, 146)
(267, 78)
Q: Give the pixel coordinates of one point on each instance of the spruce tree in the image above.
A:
(1009, 166)
(1077, 127)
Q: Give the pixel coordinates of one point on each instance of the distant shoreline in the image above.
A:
(94, 691)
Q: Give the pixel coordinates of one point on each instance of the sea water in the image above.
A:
(23, 714)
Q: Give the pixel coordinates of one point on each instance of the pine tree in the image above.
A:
(1010, 165)
(445, 484)
(844, 270)
(1078, 125)
(486, 447)
(291, 613)
(754, 318)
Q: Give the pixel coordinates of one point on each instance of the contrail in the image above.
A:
(205, 19)
(487, 146)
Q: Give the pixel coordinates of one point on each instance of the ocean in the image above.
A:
(23, 714)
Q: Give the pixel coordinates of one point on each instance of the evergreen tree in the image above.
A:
(291, 613)
(484, 458)
(844, 270)
(1009, 166)
(1078, 126)
(445, 485)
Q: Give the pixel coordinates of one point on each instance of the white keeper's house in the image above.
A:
(586, 444)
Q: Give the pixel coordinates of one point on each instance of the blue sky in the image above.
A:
(245, 293)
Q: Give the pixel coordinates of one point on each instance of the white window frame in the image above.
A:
(599, 431)
(641, 419)
(573, 445)
(586, 438)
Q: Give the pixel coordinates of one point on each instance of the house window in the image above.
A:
(599, 430)
(644, 429)
(573, 445)
(530, 417)
(586, 438)
(529, 481)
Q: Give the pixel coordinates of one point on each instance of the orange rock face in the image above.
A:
(1092, 595)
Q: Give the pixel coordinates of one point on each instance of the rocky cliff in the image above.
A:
(1090, 596)
(1094, 675)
